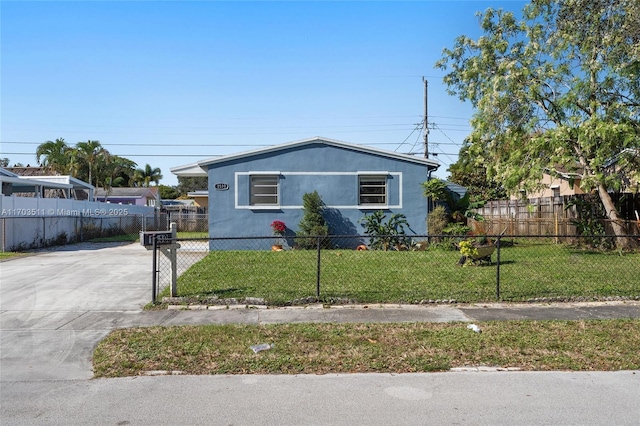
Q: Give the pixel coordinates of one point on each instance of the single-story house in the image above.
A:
(137, 196)
(249, 190)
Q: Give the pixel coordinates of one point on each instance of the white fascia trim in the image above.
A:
(260, 173)
(189, 170)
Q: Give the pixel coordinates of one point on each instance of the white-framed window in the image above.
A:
(264, 190)
(372, 190)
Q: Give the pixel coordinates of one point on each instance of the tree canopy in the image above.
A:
(91, 162)
(555, 91)
(144, 177)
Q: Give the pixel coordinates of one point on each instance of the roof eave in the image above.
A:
(204, 164)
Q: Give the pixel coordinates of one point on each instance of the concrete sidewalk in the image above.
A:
(105, 320)
(401, 313)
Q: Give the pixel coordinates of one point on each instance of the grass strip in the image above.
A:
(9, 254)
(311, 348)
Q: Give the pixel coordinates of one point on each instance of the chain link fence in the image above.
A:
(416, 270)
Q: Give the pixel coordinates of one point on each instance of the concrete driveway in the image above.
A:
(42, 293)
(56, 305)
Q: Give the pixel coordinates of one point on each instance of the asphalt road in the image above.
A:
(56, 305)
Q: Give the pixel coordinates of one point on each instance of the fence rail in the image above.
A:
(424, 269)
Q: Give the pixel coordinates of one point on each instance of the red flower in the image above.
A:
(278, 227)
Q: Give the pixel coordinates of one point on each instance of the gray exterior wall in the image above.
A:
(332, 171)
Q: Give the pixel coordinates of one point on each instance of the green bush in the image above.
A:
(385, 235)
(312, 223)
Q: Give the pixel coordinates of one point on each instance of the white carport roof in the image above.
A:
(37, 183)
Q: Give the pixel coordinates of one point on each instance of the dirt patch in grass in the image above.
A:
(602, 345)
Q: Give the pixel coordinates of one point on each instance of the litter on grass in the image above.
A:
(474, 328)
(261, 347)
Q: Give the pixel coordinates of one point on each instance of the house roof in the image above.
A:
(28, 171)
(199, 168)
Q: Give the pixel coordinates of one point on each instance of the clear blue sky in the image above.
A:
(170, 83)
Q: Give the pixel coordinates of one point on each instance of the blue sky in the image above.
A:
(171, 83)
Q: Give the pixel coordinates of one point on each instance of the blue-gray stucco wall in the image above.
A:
(330, 170)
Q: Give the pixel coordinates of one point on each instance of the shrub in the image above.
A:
(312, 223)
(385, 235)
(437, 220)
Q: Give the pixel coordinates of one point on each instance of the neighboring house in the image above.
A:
(248, 191)
(138, 196)
(567, 183)
(200, 198)
(559, 185)
(33, 184)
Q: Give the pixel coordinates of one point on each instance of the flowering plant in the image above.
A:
(278, 227)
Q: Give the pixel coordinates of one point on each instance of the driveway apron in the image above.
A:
(49, 300)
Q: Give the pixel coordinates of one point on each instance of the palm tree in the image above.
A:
(93, 155)
(122, 171)
(147, 175)
(54, 156)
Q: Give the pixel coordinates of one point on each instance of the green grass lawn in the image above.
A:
(603, 345)
(9, 254)
(136, 237)
(527, 270)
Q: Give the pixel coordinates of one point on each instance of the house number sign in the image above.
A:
(221, 186)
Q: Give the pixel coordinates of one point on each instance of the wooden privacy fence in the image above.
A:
(540, 216)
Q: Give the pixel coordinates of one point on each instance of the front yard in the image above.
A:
(527, 271)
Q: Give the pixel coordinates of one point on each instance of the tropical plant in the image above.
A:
(88, 156)
(121, 171)
(437, 220)
(312, 225)
(385, 235)
(556, 91)
(54, 156)
(144, 177)
(460, 208)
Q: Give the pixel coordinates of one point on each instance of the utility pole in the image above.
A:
(426, 116)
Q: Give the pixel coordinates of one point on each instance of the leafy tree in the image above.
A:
(312, 223)
(190, 184)
(54, 156)
(465, 172)
(144, 177)
(168, 192)
(556, 91)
